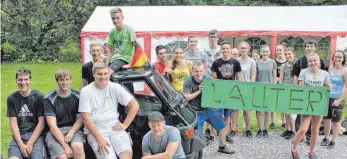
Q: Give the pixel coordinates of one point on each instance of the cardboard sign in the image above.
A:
(267, 97)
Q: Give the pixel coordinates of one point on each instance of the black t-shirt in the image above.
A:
(64, 109)
(301, 64)
(226, 70)
(279, 64)
(87, 72)
(27, 110)
(191, 86)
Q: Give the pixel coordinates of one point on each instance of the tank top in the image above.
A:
(287, 74)
(337, 83)
(178, 77)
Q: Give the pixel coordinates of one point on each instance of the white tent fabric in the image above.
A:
(224, 18)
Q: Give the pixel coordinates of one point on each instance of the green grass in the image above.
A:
(42, 80)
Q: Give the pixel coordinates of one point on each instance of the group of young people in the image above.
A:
(188, 69)
(63, 121)
(73, 118)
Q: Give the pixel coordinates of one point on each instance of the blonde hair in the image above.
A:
(116, 10)
(61, 73)
(243, 42)
(197, 64)
(283, 45)
(95, 43)
(263, 47)
(98, 65)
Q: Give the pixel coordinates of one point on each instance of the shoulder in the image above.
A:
(188, 79)
(171, 129)
(189, 63)
(304, 71)
(235, 61)
(75, 93)
(129, 28)
(88, 88)
(113, 30)
(51, 95)
(37, 93)
(147, 136)
(88, 64)
(13, 95)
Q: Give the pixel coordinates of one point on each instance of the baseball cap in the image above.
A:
(156, 116)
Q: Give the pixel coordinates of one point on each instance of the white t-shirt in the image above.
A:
(102, 104)
(246, 68)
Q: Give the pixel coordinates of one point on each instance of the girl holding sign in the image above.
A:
(286, 77)
(311, 76)
(267, 73)
(338, 78)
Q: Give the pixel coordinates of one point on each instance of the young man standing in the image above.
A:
(226, 68)
(25, 112)
(193, 54)
(96, 51)
(121, 42)
(300, 64)
(161, 141)
(65, 138)
(213, 53)
(161, 59)
(99, 111)
(192, 92)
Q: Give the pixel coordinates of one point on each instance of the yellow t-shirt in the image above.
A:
(178, 77)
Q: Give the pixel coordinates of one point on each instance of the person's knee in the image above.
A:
(126, 154)
(77, 149)
(62, 156)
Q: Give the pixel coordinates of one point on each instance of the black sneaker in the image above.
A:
(345, 133)
(308, 140)
(312, 155)
(272, 126)
(295, 155)
(232, 133)
(229, 139)
(249, 134)
(284, 125)
(285, 133)
(259, 134)
(331, 145)
(290, 135)
(265, 134)
(324, 142)
(226, 150)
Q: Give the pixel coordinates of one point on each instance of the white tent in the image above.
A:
(156, 25)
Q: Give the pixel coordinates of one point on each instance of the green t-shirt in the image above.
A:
(122, 43)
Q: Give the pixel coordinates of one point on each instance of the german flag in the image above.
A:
(139, 58)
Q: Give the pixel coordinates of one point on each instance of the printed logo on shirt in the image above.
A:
(226, 70)
(24, 111)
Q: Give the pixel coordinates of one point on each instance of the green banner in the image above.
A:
(265, 97)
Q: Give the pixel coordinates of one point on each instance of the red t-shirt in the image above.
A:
(160, 67)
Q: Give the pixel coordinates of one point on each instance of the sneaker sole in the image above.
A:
(226, 152)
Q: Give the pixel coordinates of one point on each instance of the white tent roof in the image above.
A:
(223, 18)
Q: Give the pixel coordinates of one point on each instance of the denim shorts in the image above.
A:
(37, 152)
(212, 116)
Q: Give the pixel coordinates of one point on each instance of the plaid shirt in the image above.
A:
(211, 58)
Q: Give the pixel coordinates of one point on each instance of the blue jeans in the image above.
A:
(37, 152)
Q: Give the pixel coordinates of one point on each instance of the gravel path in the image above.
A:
(274, 147)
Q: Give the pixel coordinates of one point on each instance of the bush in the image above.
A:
(69, 52)
(9, 52)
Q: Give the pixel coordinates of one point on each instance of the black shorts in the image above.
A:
(335, 112)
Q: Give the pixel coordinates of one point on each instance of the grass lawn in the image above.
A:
(43, 80)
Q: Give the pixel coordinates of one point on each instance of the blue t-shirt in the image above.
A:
(153, 146)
